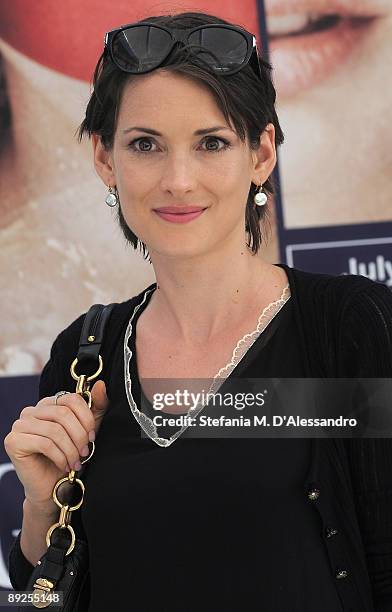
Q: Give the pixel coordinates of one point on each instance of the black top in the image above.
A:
(224, 524)
(207, 524)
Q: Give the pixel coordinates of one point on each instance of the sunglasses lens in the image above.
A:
(142, 48)
(223, 49)
(139, 49)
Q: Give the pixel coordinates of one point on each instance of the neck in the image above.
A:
(196, 299)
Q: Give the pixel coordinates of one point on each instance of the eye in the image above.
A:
(132, 145)
(209, 139)
(146, 139)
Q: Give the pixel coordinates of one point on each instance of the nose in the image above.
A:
(179, 174)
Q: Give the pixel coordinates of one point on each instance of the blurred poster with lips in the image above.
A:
(331, 64)
(61, 245)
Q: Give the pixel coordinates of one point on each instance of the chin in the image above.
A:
(179, 249)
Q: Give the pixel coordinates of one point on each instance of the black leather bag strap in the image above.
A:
(52, 564)
(92, 334)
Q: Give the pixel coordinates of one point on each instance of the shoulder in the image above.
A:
(366, 331)
(69, 336)
(336, 285)
(346, 290)
(350, 312)
(56, 372)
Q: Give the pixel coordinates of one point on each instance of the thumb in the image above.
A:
(100, 401)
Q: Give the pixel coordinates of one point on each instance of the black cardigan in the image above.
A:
(345, 330)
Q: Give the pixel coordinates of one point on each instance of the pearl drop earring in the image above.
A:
(260, 197)
(112, 198)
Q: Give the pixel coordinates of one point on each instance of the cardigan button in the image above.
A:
(330, 531)
(313, 494)
(341, 574)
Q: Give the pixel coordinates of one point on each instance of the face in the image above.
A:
(180, 168)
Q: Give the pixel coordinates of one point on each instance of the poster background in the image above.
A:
(332, 211)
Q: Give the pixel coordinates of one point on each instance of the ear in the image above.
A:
(103, 161)
(264, 158)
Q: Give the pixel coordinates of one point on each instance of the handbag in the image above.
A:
(61, 577)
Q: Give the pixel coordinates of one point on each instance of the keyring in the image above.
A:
(88, 378)
(59, 394)
(71, 530)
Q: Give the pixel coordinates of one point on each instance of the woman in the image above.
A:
(210, 523)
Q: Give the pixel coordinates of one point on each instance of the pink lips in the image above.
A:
(309, 39)
(179, 214)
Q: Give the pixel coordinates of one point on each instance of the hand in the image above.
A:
(48, 439)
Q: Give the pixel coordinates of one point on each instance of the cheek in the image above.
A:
(134, 188)
(236, 185)
(135, 199)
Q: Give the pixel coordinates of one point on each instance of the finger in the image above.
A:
(77, 404)
(29, 443)
(52, 431)
(64, 416)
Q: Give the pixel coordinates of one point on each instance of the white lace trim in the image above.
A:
(239, 351)
(245, 342)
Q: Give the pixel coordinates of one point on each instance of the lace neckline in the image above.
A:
(241, 348)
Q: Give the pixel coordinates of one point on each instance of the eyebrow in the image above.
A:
(201, 132)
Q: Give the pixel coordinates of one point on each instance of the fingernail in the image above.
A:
(91, 436)
(77, 466)
(85, 451)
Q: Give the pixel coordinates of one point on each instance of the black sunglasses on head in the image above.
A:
(141, 47)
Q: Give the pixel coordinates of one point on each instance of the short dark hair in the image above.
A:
(242, 98)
